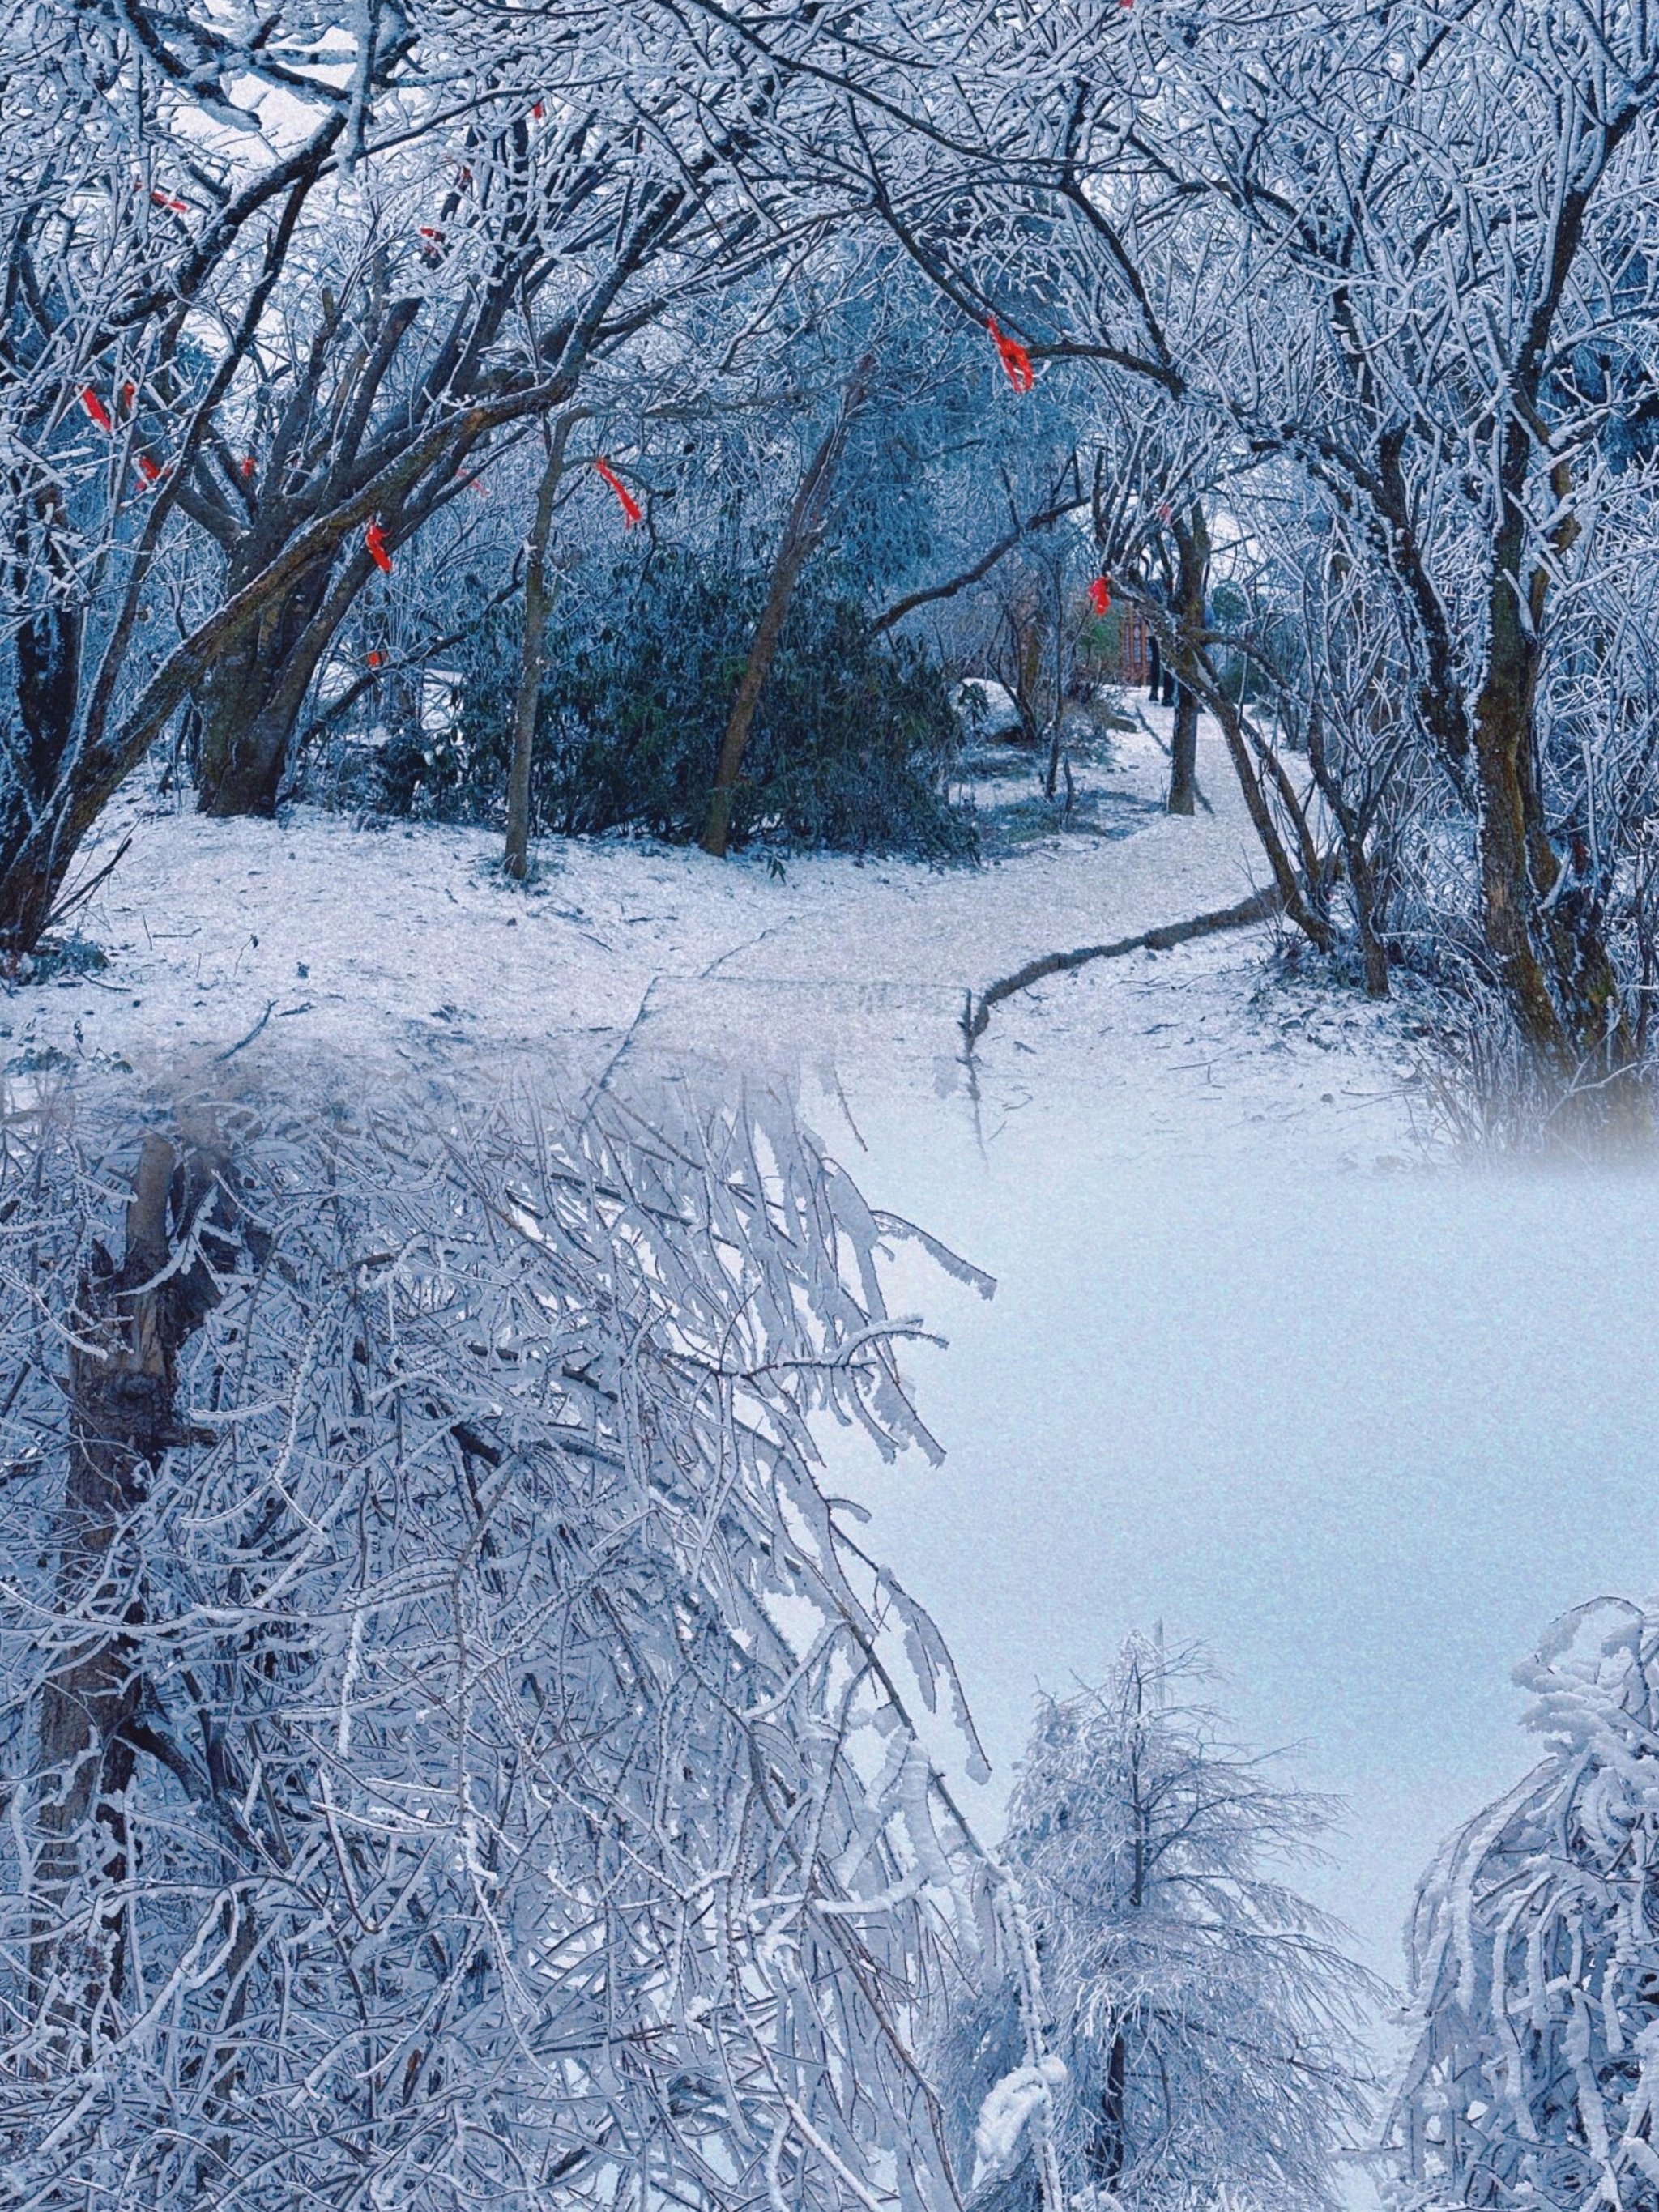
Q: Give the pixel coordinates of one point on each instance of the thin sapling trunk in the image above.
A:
(802, 534)
(538, 601)
(1192, 538)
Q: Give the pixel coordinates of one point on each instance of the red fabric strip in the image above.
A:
(1016, 362)
(630, 505)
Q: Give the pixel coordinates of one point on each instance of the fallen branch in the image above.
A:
(230, 1050)
(976, 1018)
(67, 905)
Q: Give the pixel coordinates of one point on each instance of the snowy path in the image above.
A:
(404, 947)
(1331, 1422)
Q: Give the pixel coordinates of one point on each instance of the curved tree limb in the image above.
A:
(976, 1014)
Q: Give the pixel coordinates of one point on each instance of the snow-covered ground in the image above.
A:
(1364, 1431)
(405, 947)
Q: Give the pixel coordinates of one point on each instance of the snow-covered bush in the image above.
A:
(1203, 2012)
(852, 737)
(447, 1754)
(1532, 2074)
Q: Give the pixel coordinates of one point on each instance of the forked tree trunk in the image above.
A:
(1355, 825)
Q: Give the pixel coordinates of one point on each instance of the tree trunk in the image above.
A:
(251, 702)
(1353, 826)
(1503, 744)
(1057, 733)
(242, 750)
(1372, 952)
(785, 571)
(1184, 753)
(1548, 944)
(1192, 538)
(1108, 2146)
(801, 533)
(47, 662)
(123, 1416)
(537, 603)
(1303, 902)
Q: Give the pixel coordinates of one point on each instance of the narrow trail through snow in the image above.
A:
(405, 948)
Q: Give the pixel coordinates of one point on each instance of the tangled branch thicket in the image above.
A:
(452, 1745)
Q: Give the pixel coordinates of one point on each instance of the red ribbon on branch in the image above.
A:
(630, 506)
(129, 393)
(375, 658)
(540, 110)
(374, 539)
(162, 199)
(147, 468)
(1100, 595)
(1016, 362)
(95, 407)
(248, 464)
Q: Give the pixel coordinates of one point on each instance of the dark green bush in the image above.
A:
(852, 740)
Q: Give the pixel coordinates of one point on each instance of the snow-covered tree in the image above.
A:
(1206, 2015)
(144, 219)
(455, 1750)
(1532, 2074)
(1411, 256)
